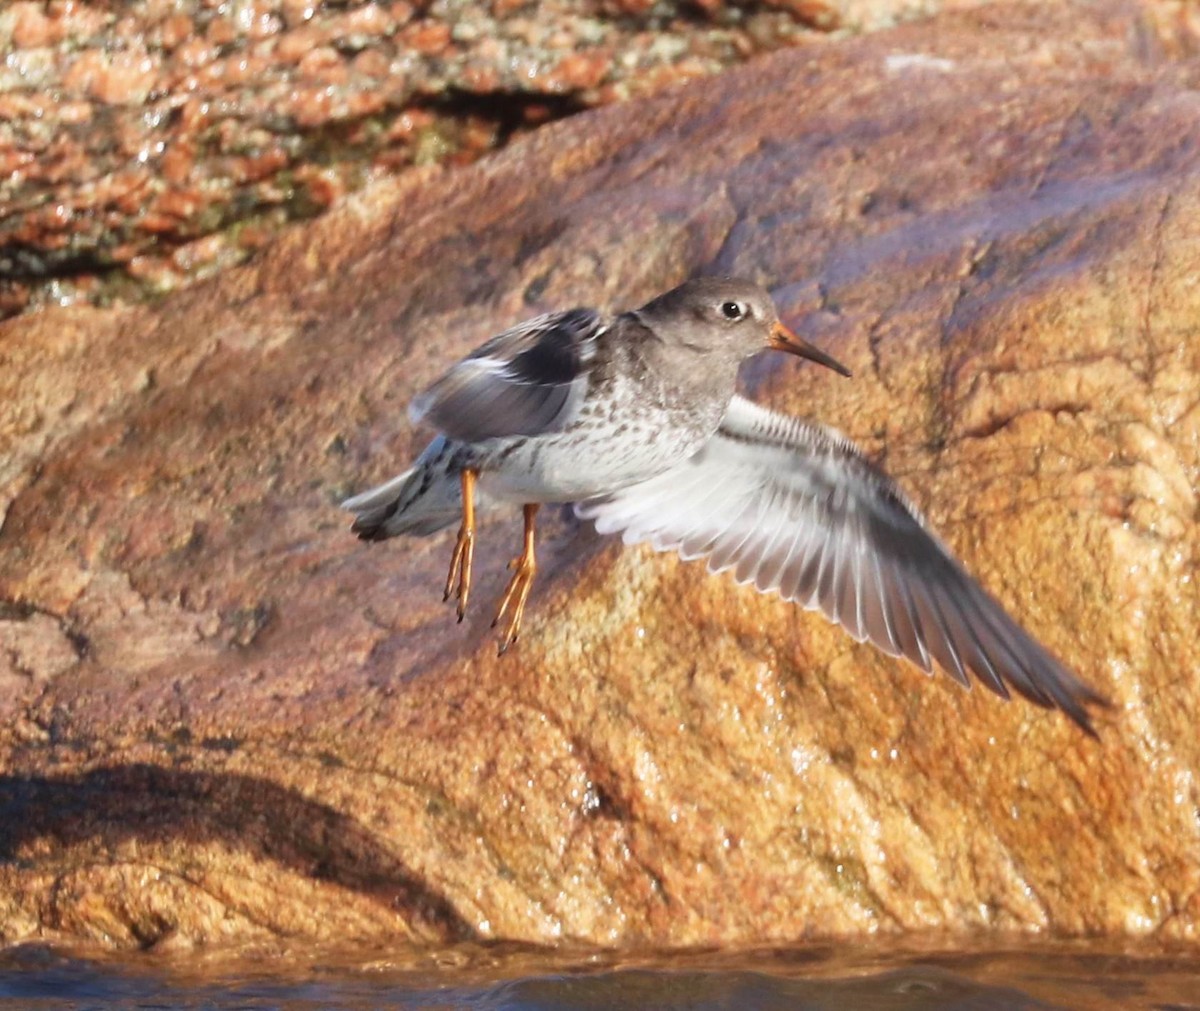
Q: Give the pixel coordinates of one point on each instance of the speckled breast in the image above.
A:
(611, 445)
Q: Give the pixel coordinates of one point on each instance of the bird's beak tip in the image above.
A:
(784, 339)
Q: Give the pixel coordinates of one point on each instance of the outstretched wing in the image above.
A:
(795, 508)
(525, 381)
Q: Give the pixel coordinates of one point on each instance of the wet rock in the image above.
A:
(224, 718)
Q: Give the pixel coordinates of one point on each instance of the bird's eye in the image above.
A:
(733, 310)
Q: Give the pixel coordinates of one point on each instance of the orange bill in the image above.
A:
(783, 339)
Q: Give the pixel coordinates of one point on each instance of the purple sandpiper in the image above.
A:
(634, 418)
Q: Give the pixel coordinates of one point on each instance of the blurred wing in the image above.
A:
(525, 381)
(793, 507)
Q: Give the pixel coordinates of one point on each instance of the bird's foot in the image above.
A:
(524, 568)
(464, 548)
(458, 580)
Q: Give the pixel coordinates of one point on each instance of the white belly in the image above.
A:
(558, 468)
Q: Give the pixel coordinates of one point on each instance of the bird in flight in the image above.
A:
(634, 419)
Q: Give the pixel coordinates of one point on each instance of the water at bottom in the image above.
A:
(491, 978)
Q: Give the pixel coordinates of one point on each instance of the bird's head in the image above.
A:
(728, 317)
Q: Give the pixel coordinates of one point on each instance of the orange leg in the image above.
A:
(464, 547)
(525, 568)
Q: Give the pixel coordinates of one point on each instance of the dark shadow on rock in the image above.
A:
(145, 802)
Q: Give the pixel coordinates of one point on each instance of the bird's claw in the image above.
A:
(458, 579)
(515, 594)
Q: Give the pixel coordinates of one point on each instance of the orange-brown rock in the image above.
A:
(222, 717)
(259, 91)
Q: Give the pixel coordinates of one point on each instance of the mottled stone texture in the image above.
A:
(221, 717)
(147, 143)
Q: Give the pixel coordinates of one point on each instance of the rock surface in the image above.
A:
(146, 144)
(222, 718)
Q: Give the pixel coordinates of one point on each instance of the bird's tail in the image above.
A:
(423, 500)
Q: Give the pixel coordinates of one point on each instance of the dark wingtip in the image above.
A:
(1074, 700)
(1090, 697)
(1073, 707)
(1082, 719)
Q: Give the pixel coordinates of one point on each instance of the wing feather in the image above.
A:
(525, 381)
(880, 617)
(767, 578)
(795, 508)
